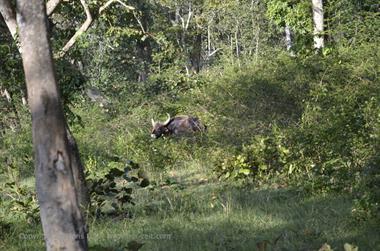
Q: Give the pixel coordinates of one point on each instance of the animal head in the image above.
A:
(159, 128)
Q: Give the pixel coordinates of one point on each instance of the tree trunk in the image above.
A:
(62, 221)
(257, 44)
(195, 55)
(78, 172)
(144, 50)
(288, 38)
(144, 56)
(318, 23)
(237, 49)
(8, 12)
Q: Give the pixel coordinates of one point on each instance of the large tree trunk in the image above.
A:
(8, 12)
(318, 23)
(62, 221)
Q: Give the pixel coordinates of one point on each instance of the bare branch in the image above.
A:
(188, 17)
(6, 94)
(139, 21)
(215, 51)
(87, 23)
(178, 16)
(80, 31)
(9, 15)
(101, 9)
(51, 5)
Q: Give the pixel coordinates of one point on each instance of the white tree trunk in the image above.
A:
(288, 38)
(318, 23)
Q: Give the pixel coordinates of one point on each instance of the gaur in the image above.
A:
(178, 125)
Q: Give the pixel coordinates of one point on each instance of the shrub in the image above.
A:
(334, 144)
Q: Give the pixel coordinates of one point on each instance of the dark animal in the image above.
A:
(178, 125)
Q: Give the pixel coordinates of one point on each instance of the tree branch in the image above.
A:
(101, 9)
(51, 5)
(212, 53)
(87, 23)
(80, 31)
(178, 16)
(188, 17)
(139, 22)
(9, 15)
(6, 94)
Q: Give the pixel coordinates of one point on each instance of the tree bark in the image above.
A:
(318, 23)
(78, 172)
(62, 221)
(51, 5)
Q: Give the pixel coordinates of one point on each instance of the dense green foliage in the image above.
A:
(301, 121)
(334, 144)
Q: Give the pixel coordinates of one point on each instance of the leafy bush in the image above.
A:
(334, 144)
(16, 195)
(111, 190)
(21, 202)
(266, 155)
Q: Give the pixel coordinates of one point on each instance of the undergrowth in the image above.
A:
(310, 123)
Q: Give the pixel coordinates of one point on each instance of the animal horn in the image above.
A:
(153, 123)
(168, 120)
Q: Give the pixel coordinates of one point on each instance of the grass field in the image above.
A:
(286, 125)
(196, 213)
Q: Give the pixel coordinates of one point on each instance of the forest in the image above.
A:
(190, 125)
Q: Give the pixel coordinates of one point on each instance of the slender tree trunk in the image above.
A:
(257, 44)
(62, 221)
(195, 55)
(208, 38)
(288, 38)
(144, 50)
(318, 23)
(237, 49)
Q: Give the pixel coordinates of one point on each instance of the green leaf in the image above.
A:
(263, 167)
(245, 171)
(291, 168)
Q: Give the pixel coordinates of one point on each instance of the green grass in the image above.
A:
(188, 208)
(195, 213)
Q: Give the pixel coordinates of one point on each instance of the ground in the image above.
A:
(196, 212)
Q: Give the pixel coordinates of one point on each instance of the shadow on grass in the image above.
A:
(244, 220)
(249, 101)
(215, 218)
